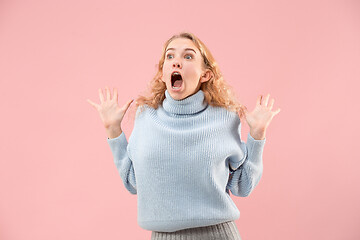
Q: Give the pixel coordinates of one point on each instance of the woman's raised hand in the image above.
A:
(110, 113)
(260, 118)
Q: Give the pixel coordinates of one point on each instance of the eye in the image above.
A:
(188, 56)
(169, 56)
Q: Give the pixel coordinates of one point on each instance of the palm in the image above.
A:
(262, 115)
(110, 112)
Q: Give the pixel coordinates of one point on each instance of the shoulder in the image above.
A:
(223, 113)
(143, 109)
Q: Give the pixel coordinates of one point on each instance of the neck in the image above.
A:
(190, 105)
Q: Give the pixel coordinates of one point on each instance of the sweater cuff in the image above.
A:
(254, 140)
(255, 148)
(118, 141)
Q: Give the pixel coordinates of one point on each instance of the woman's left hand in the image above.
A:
(260, 118)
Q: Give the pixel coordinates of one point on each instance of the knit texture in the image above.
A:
(177, 162)
(221, 231)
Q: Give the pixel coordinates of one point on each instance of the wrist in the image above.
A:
(113, 131)
(258, 134)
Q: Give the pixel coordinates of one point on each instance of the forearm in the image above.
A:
(246, 177)
(123, 162)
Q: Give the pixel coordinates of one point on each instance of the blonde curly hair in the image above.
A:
(216, 91)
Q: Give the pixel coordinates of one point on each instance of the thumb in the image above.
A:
(243, 111)
(127, 105)
(92, 104)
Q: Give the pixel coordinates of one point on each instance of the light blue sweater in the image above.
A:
(177, 162)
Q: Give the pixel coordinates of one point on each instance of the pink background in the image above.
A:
(57, 177)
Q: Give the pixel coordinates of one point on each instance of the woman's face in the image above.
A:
(183, 70)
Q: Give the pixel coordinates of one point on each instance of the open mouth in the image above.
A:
(176, 80)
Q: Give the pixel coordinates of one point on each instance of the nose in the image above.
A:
(177, 65)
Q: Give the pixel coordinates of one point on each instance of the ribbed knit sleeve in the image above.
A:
(123, 162)
(243, 181)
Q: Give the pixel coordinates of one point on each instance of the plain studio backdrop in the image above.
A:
(57, 176)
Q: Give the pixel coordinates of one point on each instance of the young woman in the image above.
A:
(185, 154)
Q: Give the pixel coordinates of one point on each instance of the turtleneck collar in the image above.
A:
(190, 105)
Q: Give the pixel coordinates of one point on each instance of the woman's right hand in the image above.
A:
(110, 113)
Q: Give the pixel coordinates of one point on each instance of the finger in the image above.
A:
(277, 111)
(101, 96)
(242, 112)
(266, 100)
(92, 104)
(271, 104)
(243, 108)
(115, 95)
(107, 90)
(127, 105)
(258, 101)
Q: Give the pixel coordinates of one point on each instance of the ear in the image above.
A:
(206, 75)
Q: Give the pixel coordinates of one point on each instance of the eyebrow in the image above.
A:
(186, 49)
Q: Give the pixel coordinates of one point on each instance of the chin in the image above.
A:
(178, 95)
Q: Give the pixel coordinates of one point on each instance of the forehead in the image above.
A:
(182, 43)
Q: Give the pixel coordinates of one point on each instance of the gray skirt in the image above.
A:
(222, 231)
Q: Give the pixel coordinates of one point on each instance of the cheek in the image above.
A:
(165, 70)
(194, 73)
(190, 69)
